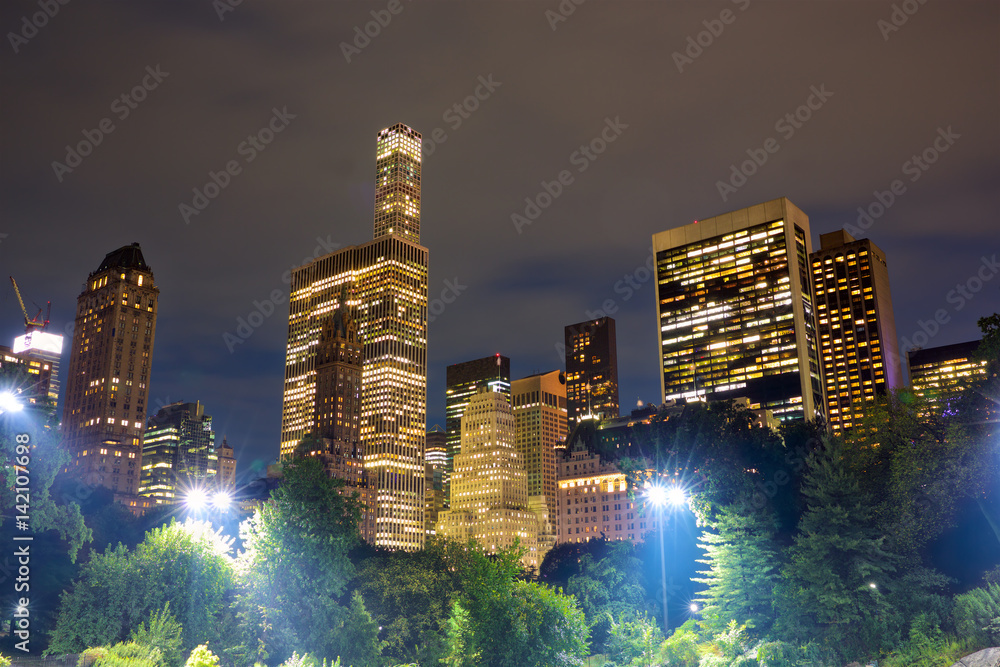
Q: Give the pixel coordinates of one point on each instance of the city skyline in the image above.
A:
(307, 192)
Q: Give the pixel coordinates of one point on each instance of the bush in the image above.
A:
(975, 612)
(126, 654)
(202, 657)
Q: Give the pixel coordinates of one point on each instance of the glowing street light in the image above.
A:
(221, 500)
(662, 497)
(9, 403)
(196, 499)
(693, 607)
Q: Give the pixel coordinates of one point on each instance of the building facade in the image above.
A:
(178, 453)
(592, 369)
(941, 374)
(855, 325)
(540, 414)
(435, 461)
(489, 489)
(37, 354)
(107, 384)
(463, 381)
(735, 312)
(387, 280)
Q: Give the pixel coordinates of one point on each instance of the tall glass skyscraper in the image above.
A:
(735, 311)
(463, 381)
(592, 369)
(386, 281)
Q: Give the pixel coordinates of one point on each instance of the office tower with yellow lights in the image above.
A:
(489, 486)
(178, 453)
(941, 374)
(435, 461)
(591, 369)
(855, 325)
(107, 383)
(386, 282)
(539, 403)
(463, 381)
(735, 312)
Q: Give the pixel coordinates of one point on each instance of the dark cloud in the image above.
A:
(557, 90)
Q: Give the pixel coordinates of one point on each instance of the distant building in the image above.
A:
(592, 369)
(855, 323)
(227, 467)
(540, 415)
(178, 453)
(463, 381)
(436, 461)
(735, 311)
(107, 384)
(941, 374)
(489, 489)
(37, 353)
(387, 280)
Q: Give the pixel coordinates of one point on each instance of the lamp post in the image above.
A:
(663, 497)
(9, 403)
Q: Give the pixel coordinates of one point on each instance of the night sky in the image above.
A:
(679, 113)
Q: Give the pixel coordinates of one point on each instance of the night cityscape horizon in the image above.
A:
(445, 314)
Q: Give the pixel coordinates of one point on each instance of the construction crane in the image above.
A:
(37, 322)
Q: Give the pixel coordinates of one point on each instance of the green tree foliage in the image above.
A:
(837, 556)
(635, 641)
(294, 569)
(123, 654)
(608, 588)
(201, 656)
(163, 633)
(507, 622)
(743, 568)
(410, 594)
(184, 564)
(681, 648)
(977, 615)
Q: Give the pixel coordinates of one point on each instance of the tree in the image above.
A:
(743, 564)
(294, 569)
(185, 565)
(838, 561)
(635, 641)
(164, 634)
(511, 623)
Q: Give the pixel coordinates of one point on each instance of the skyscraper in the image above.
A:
(592, 369)
(942, 374)
(178, 453)
(42, 351)
(435, 462)
(855, 324)
(539, 403)
(387, 291)
(489, 489)
(104, 411)
(463, 381)
(735, 312)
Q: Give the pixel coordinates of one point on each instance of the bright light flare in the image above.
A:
(9, 402)
(693, 607)
(196, 499)
(672, 495)
(221, 500)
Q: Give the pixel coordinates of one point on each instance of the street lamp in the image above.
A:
(196, 499)
(9, 403)
(671, 495)
(221, 500)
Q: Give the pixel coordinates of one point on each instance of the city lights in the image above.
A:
(9, 403)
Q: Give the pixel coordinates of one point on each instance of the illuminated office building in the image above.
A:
(540, 416)
(227, 467)
(855, 324)
(104, 409)
(489, 486)
(37, 352)
(178, 453)
(463, 381)
(942, 374)
(387, 292)
(592, 369)
(435, 462)
(735, 313)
